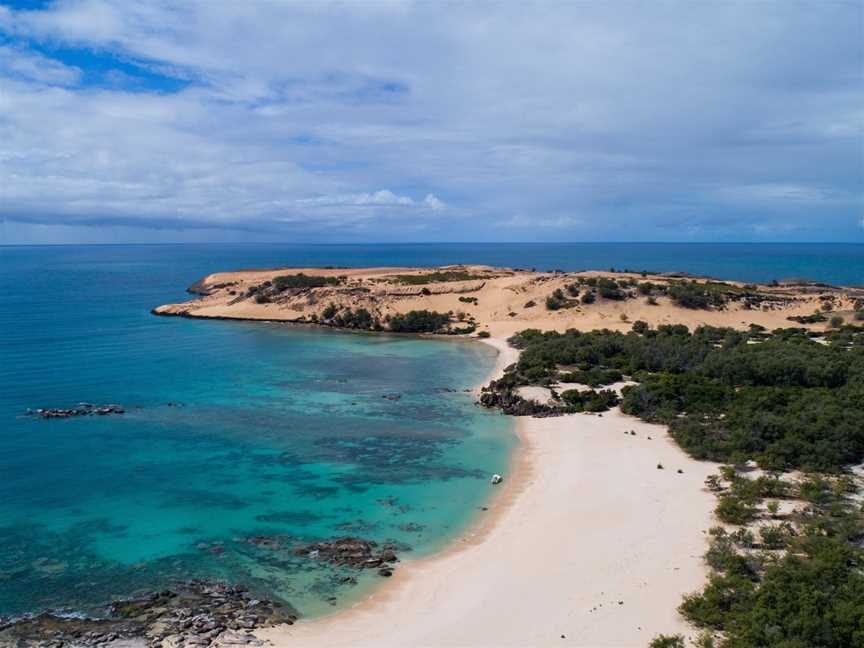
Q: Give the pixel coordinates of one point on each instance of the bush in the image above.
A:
(836, 321)
(359, 319)
(695, 295)
(640, 327)
(859, 315)
(734, 510)
(557, 300)
(530, 304)
(330, 312)
(588, 297)
(262, 298)
(590, 401)
(300, 280)
(419, 321)
(608, 289)
(484, 334)
(667, 641)
(594, 377)
(437, 277)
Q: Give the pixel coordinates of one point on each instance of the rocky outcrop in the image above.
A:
(353, 552)
(195, 613)
(82, 409)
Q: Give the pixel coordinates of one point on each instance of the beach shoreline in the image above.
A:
(618, 585)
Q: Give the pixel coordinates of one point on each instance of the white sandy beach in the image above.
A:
(587, 544)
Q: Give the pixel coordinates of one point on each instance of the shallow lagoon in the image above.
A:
(276, 430)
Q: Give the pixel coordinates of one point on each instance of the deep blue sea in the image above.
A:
(280, 430)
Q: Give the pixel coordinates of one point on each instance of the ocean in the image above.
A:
(238, 430)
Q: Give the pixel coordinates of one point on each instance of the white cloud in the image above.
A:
(433, 202)
(626, 116)
(774, 193)
(16, 62)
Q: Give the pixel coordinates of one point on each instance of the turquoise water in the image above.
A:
(282, 431)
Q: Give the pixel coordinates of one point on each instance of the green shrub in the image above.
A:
(419, 321)
(557, 301)
(640, 327)
(836, 321)
(484, 334)
(734, 510)
(608, 289)
(667, 641)
(588, 297)
(330, 311)
(590, 400)
(594, 377)
(300, 280)
(359, 319)
(695, 295)
(437, 277)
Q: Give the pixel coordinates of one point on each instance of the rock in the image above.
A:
(195, 613)
(349, 552)
(83, 409)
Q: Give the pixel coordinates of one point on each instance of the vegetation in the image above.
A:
(859, 315)
(484, 334)
(780, 399)
(594, 377)
(419, 321)
(609, 289)
(695, 295)
(590, 400)
(359, 319)
(557, 301)
(300, 280)
(437, 277)
(800, 585)
(667, 641)
(468, 300)
(836, 322)
(330, 311)
(815, 318)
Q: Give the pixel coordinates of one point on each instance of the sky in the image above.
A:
(389, 121)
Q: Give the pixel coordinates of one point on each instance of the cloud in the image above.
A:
(381, 198)
(18, 63)
(643, 118)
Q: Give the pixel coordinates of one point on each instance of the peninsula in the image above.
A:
(481, 300)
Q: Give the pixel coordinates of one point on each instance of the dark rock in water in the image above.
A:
(82, 409)
(201, 613)
(392, 397)
(351, 552)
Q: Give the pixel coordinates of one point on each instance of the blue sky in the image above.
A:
(132, 121)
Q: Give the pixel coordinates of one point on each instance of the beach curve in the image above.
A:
(588, 543)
